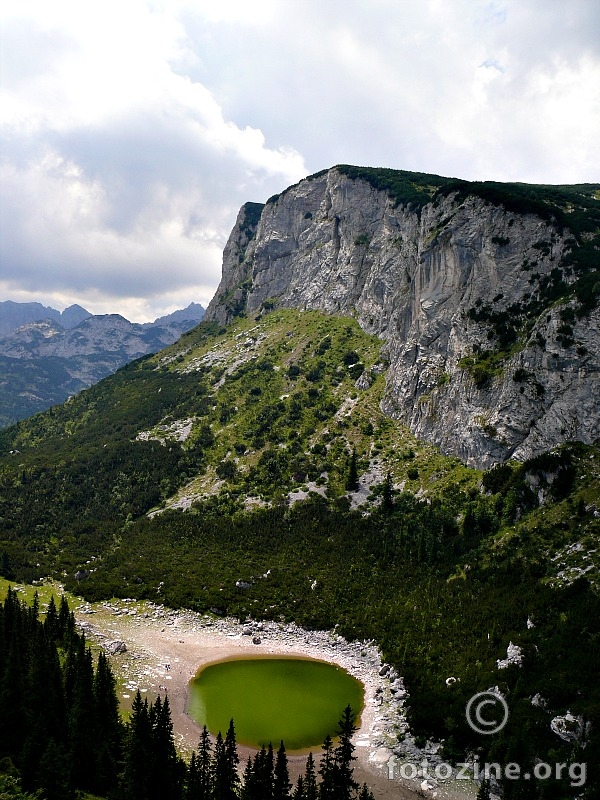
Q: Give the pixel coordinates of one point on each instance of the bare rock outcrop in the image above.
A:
(439, 282)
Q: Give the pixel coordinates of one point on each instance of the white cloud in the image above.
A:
(121, 176)
(133, 131)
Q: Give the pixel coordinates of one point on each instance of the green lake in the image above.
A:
(271, 699)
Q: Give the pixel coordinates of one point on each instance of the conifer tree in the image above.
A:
(231, 754)
(352, 482)
(135, 782)
(53, 773)
(344, 784)
(365, 793)
(248, 791)
(484, 790)
(204, 766)
(310, 779)
(108, 726)
(192, 783)
(51, 621)
(224, 783)
(262, 774)
(66, 620)
(82, 730)
(387, 499)
(299, 789)
(165, 763)
(281, 780)
(327, 771)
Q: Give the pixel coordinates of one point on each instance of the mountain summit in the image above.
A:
(486, 295)
(46, 355)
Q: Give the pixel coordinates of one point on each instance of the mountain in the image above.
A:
(193, 313)
(259, 450)
(45, 361)
(14, 315)
(485, 294)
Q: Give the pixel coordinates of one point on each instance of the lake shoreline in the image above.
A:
(166, 648)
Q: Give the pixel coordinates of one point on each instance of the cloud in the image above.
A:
(125, 180)
(132, 132)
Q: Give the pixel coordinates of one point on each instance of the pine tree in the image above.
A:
(365, 793)
(164, 765)
(299, 790)
(262, 774)
(53, 773)
(51, 621)
(6, 570)
(204, 765)
(82, 729)
(135, 781)
(344, 784)
(66, 620)
(387, 499)
(327, 771)
(484, 790)
(281, 782)
(192, 782)
(232, 758)
(108, 727)
(352, 482)
(224, 786)
(248, 791)
(310, 779)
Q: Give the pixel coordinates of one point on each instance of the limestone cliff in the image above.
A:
(484, 295)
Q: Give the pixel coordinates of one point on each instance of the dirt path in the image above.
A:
(166, 648)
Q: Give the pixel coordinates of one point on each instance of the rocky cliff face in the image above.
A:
(490, 355)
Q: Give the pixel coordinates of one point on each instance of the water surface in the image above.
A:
(297, 700)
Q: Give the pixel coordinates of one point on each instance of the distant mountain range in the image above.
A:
(47, 355)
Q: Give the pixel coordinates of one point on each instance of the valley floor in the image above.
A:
(166, 648)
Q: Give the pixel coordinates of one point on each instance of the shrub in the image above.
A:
(227, 470)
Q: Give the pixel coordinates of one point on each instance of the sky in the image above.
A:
(133, 131)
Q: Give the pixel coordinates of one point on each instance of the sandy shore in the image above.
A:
(166, 648)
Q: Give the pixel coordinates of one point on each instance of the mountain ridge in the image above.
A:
(487, 301)
(44, 362)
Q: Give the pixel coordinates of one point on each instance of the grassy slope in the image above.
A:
(443, 583)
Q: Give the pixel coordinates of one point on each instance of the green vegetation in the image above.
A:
(237, 424)
(406, 188)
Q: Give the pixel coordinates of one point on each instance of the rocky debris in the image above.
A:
(411, 276)
(570, 728)
(364, 381)
(177, 431)
(256, 640)
(115, 648)
(574, 561)
(514, 655)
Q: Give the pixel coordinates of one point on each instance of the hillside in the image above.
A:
(236, 423)
(46, 356)
(263, 466)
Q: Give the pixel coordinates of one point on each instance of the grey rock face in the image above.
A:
(339, 245)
